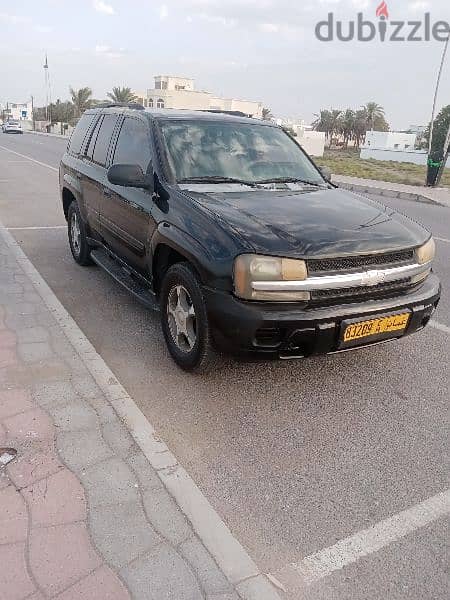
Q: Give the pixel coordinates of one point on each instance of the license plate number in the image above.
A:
(376, 327)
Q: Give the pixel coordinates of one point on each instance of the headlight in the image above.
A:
(249, 268)
(425, 253)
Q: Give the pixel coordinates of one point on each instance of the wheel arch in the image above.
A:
(170, 246)
(67, 198)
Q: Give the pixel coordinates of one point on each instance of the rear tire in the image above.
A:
(184, 319)
(79, 246)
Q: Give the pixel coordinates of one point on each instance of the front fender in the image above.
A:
(212, 272)
(73, 184)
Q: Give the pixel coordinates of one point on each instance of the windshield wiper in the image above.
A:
(217, 179)
(289, 180)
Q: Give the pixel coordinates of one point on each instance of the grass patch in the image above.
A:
(347, 162)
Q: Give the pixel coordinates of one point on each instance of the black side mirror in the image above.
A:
(129, 176)
(326, 172)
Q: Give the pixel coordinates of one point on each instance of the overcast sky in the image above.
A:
(263, 50)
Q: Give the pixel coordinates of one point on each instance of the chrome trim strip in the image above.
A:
(329, 282)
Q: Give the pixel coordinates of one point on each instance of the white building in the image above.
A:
(313, 142)
(180, 93)
(394, 146)
(15, 111)
(390, 140)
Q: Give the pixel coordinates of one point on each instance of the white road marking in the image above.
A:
(439, 239)
(228, 553)
(439, 326)
(36, 228)
(365, 542)
(38, 162)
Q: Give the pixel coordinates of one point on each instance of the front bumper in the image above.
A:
(287, 330)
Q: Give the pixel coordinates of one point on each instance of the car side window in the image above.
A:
(103, 139)
(79, 133)
(89, 152)
(133, 144)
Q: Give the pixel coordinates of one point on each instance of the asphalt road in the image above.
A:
(293, 455)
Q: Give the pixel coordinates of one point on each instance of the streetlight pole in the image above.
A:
(444, 53)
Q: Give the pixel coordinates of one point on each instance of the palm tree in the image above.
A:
(347, 125)
(267, 114)
(82, 100)
(334, 123)
(360, 127)
(323, 122)
(374, 113)
(123, 94)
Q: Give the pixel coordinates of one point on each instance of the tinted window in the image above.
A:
(133, 145)
(79, 132)
(228, 149)
(103, 138)
(89, 152)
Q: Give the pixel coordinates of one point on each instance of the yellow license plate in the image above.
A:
(382, 325)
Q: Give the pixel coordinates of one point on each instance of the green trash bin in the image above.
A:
(434, 164)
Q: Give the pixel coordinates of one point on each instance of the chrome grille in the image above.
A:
(382, 290)
(349, 263)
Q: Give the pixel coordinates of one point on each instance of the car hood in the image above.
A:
(323, 222)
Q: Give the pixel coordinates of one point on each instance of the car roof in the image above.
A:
(174, 114)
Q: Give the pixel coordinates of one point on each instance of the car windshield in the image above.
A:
(225, 151)
(13, 122)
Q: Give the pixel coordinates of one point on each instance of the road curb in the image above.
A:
(56, 135)
(388, 193)
(226, 550)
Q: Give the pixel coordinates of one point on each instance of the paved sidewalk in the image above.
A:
(394, 190)
(83, 513)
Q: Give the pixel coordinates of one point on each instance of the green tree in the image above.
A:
(323, 122)
(123, 94)
(82, 100)
(334, 124)
(62, 111)
(346, 125)
(375, 117)
(267, 114)
(440, 130)
(360, 127)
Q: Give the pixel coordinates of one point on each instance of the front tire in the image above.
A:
(184, 319)
(79, 246)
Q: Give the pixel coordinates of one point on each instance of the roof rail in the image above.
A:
(135, 105)
(233, 113)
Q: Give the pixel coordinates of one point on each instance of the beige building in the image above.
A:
(180, 93)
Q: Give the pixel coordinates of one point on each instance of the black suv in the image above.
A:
(227, 226)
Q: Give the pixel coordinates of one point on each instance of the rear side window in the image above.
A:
(89, 152)
(103, 139)
(79, 133)
(133, 144)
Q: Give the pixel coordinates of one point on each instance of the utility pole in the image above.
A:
(32, 113)
(48, 92)
(433, 112)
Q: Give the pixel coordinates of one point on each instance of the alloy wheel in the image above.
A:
(181, 318)
(75, 233)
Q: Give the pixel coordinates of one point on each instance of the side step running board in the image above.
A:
(117, 272)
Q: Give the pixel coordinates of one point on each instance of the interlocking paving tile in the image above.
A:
(15, 582)
(102, 581)
(56, 500)
(13, 517)
(61, 555)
